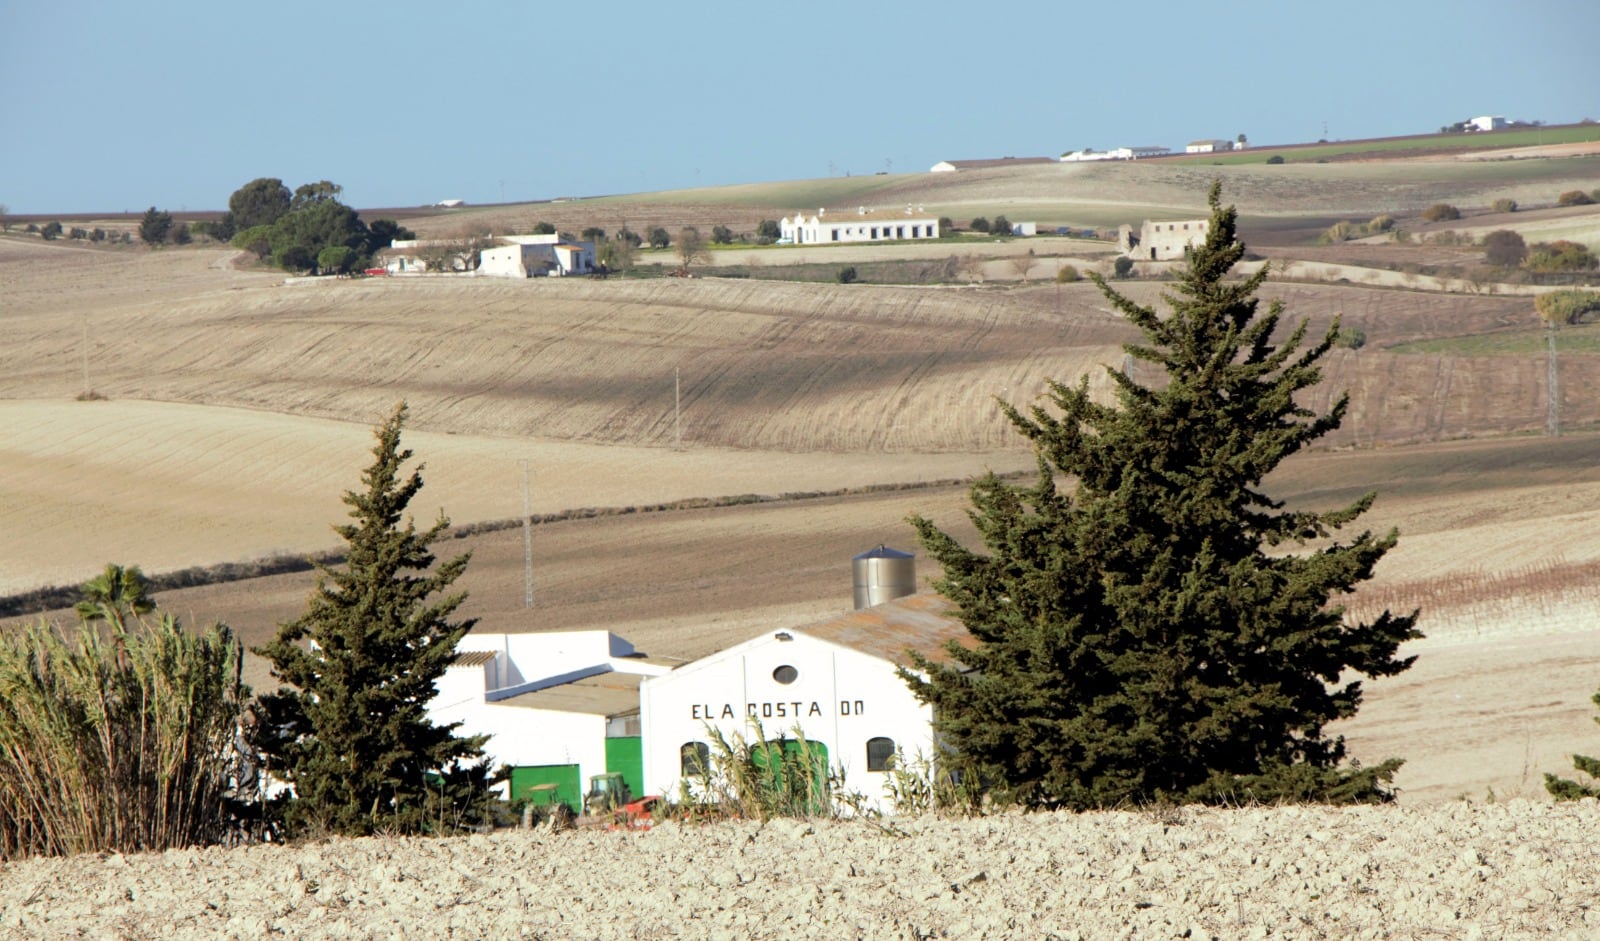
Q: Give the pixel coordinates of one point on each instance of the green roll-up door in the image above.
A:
(565, 778)
(625, 756)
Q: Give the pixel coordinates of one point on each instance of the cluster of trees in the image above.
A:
(1506, 248)
(999, 226)
(306, 230)
(1567, 307)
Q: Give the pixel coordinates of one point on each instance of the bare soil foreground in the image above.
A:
(1458, 870)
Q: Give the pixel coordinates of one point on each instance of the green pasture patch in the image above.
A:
(1581, 339)
(1483, 140)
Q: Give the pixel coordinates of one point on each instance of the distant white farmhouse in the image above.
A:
(951, 166)
(420, 256)
(558, 707)
(1211, 146)
(1121, 153)
(1162, 241)
(834, 682)
(532, 256)
(450, 203)
(864, 225)
(1488, 122)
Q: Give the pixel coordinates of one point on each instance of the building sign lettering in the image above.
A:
(772, 710)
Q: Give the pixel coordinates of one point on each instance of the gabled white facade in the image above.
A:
(773, 686)
(860, 226)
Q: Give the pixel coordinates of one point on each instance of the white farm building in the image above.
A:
(562, 707)
(864, 225)
(833, 682)
(532, 256)
(558, 707)
(1162, 241)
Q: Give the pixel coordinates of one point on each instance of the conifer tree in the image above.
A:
(350, 731)
(1566, 789)
(1139, 638)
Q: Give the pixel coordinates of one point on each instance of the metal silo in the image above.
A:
(883, 574)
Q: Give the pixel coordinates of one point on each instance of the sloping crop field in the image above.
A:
(238, 407)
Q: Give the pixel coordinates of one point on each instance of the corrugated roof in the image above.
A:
(472, 658)
(604, 694)
(920, 622)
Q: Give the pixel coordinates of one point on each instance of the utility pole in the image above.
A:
(84, 347)
(677, 403)
(527, 542)
(1553, 423)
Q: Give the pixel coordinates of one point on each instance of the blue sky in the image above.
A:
(113, 106)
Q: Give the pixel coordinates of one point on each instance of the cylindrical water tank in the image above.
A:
(883, 574)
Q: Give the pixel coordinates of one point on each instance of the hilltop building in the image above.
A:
(1212, 146)
(865, 225)
(951, 166)
(1121, 153)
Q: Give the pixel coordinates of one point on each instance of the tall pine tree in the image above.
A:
(350, 730)
(1139, 639)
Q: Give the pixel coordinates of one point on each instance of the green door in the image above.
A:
(625, 756)
(527, 778)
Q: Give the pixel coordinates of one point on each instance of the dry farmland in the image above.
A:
(237, 409)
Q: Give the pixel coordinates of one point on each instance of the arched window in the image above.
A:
(694, 760)
(880, 753)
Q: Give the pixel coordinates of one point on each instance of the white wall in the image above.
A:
(840, 698)
(847, 227)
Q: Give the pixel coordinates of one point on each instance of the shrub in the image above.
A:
(1505, 205)
(1275, 159)
(1560, 255)
(1380, 223)
(1000, 226)
(1566, 307)
(543, 228)
(1338, 232)
(721, 235)
(659, 238)
(51, 231)
(769, 228)
(1123, 266)
(117, 738)
(947, 226)
(1440, 212)
(1351, 338)
(1068, 274)
(97, 235)
(1505, 248)
(847, 275)
(77, 233)
(980, 224)
(1574, 198)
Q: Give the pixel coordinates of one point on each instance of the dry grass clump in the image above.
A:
(116, 739)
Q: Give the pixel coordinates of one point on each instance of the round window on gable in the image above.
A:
(786, 674)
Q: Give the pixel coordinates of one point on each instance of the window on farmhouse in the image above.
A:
(880, 754)
(694, 760)
(786, 674)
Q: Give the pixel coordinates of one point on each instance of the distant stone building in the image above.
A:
(1161, 241)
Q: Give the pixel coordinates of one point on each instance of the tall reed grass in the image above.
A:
(116, 737)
